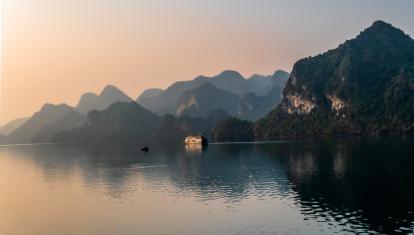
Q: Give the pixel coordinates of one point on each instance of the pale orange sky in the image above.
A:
(55, 50)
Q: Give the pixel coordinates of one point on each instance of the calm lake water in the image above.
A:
(313, 187)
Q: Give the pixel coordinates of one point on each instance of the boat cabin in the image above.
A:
(199, 139)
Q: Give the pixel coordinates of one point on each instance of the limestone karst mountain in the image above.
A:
(168, 101)
(48, 116)
(12, 125)
(364, 86)
(149, 93)
(109, 95)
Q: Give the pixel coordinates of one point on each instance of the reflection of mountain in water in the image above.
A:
(361, 185)
(362, 182)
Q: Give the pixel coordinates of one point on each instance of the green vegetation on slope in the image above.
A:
(365, 86)
(233, 130)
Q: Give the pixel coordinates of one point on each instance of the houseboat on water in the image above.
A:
(199, 139)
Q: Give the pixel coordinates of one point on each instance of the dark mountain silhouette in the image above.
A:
(88, 101)
(121, 123)
(4, 139)
(109, 95)
(70, 121)
(253, 107)
(364, 86)
(43, 125)
(149, 93)
(49, 115)
(230, 81)
(128, 124)
(279, 78)
(12, 125)
(260, 84)
(201, 101)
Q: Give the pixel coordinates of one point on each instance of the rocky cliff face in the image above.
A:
(366, 85)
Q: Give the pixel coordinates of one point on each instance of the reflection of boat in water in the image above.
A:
(194, 149)
(199, 139)
(194, 144)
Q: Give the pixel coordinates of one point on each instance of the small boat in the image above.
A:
(144, 149)
(199, 139)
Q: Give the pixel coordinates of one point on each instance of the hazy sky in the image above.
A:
(55, 50)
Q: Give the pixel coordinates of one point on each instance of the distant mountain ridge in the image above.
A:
(254, 107)
(49, 114)
(69, 121)
(121, 123)
(171, 100)
(197, 99)
(109, 95)
(129, 124)
(149, 93)
(12, 125)
(51, 119)
(203, 100)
